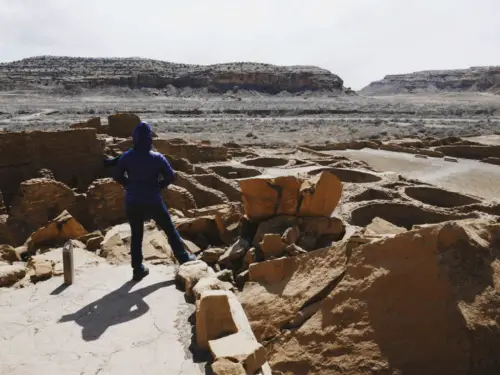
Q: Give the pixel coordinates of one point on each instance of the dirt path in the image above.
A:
(466, 176)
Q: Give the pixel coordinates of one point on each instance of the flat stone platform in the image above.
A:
(103, 324)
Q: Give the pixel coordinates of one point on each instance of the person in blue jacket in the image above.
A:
(144, 173)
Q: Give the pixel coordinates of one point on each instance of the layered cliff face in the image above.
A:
(88, 73)
(476, 79)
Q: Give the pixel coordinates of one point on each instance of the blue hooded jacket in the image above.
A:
(143, 168)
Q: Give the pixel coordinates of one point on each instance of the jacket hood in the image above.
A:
(143, 137)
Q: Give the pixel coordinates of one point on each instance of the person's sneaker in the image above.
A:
(188, 257)
(140, 273)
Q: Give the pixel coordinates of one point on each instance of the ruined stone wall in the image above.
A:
(74, 157)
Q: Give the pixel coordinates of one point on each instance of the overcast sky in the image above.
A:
(360, 40)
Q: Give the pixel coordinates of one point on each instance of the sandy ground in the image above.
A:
(102, 324)
(466, 176)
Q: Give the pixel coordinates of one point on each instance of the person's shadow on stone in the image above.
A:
(114, 308)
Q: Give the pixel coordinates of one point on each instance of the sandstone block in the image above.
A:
(11, 273)
(115, 246)
(41, 269)
(210, 283)
(8, 254)
(272, 245)
(212, 254)
(225, 366)
(190, 273)
(214, 318)
(235, 251)
(246, 350)
(62, 228)
(266, 198)
(94, 243)
(381, 226)
(320, 195)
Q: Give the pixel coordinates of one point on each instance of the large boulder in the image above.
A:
(213, 318)
(242, 346)
(278, 289)
(11, 273)
(320, 195)
(190, 273)
(266, 198)
(423, 302)
(81, 258)
(9, 254)
(155, 248)
(122, 124)
(64, 227)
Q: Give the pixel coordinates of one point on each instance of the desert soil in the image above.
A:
(259, 119)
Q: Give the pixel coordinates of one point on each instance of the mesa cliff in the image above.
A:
(70, 74)
(474, 79)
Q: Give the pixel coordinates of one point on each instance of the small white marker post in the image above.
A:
(68, 265)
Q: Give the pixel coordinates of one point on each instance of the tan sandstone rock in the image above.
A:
(246, 350)
(212, 255)
(278, 289)
(214, 318)
(266, 198)
(11, 273)
(190, 273)
(210, 283)
(272, 245)
(320, 195)
(40, 268)
(115, 247)
(37, 202)
(422, 302)
(8, 254)
(381, 226)
(241, 346)
(62, 228)
(225, 366)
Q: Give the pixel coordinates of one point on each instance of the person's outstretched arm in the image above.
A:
(121, 168)
(167, 172)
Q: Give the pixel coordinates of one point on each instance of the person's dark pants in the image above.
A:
(137, 214)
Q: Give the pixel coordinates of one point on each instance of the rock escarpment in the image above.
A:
(474, 79)
(88, 73)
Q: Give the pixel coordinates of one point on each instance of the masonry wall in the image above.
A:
(74, 157)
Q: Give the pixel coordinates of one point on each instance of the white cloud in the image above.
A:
(361, 40)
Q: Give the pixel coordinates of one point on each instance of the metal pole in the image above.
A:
(68, 265)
